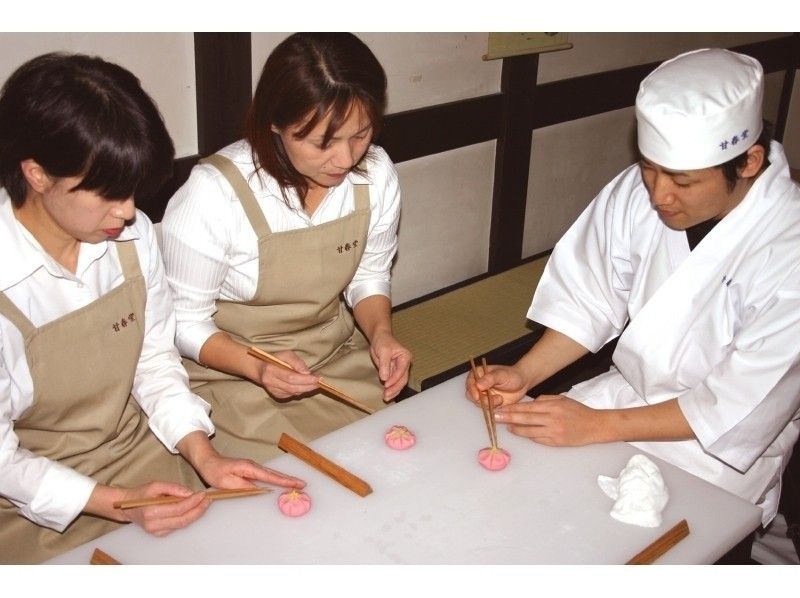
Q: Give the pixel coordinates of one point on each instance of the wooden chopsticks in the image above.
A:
(487, 408)
(320, 463)
(101, 558)
(212, 494)
(661, 545)
(264, 356)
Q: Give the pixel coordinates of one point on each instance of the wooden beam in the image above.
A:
(512, 161)
(224, 88)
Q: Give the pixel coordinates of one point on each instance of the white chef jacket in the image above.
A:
(211, 251)
(46, 492)
(718, 328)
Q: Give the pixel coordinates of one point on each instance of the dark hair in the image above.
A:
(78, 115)
(311, 73)
(731, 168)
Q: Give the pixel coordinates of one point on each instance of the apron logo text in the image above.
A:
(129, 319)
(347, 246)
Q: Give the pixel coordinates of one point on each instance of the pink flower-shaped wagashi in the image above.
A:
(294, 503)
(400, 438)
(494, 459)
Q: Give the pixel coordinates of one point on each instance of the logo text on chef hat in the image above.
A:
(734, 141)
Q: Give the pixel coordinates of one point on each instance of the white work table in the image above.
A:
(434, 504)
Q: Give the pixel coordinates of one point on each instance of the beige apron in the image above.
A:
(82, 366)
(297, 306)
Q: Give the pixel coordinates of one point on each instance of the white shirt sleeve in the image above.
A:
(161, 385)
(748, 398)
(196, 232)
(373, 276)
(584, 290)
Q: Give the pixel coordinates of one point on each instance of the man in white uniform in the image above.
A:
(706, 372)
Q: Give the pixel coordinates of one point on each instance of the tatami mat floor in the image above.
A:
(447, 330)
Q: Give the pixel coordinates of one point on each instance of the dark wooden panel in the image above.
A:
(512, 161)
(224, 88)
(154, 206)
(425, 131)
(775, 54)
(783, 107)
(570, 99)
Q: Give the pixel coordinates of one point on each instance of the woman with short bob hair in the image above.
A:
(277, 237)
(94, 403)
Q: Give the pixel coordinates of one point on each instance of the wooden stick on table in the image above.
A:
(166, 500)
(264, 356)
(101, 558)
(661, 545)
(320, 463)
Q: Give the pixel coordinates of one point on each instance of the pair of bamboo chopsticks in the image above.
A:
(326, 466)
(487, 408)
(661, 545)
(264, 356)
(211, 494)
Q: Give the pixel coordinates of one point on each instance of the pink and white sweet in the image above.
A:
(400, 438)
(294, 503)
(494, 458)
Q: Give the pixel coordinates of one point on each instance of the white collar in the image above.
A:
(24, 255)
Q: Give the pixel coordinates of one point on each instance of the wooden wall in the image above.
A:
(496, 159)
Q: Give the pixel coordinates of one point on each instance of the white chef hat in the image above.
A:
(700, 109)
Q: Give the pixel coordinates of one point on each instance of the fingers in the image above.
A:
(293, 360)
(283, 383)
(250, 470)
(398, 377)
(160, 520)
(154, 489)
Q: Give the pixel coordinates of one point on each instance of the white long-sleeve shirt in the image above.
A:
(211, 251)
(45, 491)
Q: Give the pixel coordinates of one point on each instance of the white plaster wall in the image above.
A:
(423, 69)
(570, 164)
(444, 227)
(597, 52)
(163, 62)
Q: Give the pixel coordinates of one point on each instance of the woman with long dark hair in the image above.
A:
(274, 239)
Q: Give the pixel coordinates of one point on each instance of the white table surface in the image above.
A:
(434, 504)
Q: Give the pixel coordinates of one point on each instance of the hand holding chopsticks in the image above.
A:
(486, 404)
(211, 494)
(332, 390)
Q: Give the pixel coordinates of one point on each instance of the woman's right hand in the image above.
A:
(282, 383)
(505, 385)
(158, 520)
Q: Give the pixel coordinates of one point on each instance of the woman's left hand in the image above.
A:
(224, 472)
(392, 360)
